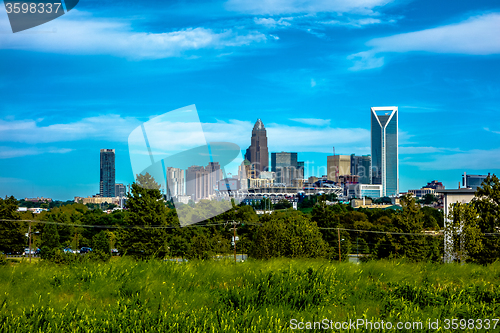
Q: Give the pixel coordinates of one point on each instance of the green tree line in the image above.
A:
(149, 228)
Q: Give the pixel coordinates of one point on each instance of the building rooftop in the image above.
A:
(458, 190)
(258, 125)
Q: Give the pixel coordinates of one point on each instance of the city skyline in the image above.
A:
(309, 70)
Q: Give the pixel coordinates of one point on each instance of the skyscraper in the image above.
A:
(201, 182)
(107, 178)
(286, 167)
(361, 166)
(175, 182)
(257, 153)
(385, 160)
(279, 160)
(338, 165)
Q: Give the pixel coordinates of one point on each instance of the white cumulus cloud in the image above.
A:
(80, 33)
(477, 35)
(276, 7)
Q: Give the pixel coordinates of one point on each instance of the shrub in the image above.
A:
(3, 259)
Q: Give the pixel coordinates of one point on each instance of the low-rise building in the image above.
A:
(450, 197)
(364, 190)
(473, 181)
(37, 199)
(98, 200)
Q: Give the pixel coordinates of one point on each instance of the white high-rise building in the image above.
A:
(385, 160)
(175, 182)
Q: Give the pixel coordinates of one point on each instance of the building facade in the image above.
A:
(287, 168)
(175, 182)
(431, 188)
(362, 190)
(473, 181)
(201, 182)
(385, 151)
(450, 197)
(283, 159)
(361, 166)
(107, 175)
(120, 190)
(338, 165)
(194, 181)
(257, 154)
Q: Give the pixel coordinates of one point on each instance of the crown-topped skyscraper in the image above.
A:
(257, 153)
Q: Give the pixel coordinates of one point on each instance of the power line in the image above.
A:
(127, 226)
(221, 223)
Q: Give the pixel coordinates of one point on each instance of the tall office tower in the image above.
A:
(257, 153)
(361, 166)
(175, 182)
(244, 174)
(283, 159)
(338, 165)
(300, 170)
(286, 167)
(213, 174)
(385, 160)
(194, 181)
(107, 179)
(201, 182)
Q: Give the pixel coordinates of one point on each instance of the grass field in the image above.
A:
(254, 296)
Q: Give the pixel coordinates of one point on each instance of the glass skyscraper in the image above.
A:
(107, 179)
(385, 160)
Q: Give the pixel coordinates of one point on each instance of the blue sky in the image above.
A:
(310, 70)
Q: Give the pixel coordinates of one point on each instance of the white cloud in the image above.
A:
(313, 83)
(356, 23)
(365, 60)
(321, 140)
(10, 152)
(478, 35)
(276, 7)
(424, 150)
(313, 121)
(10, 180)
(80, 33)
(109, 127)
(476, 159)
(280, 137)
(489, 130)
(270, 22)
(114, 128)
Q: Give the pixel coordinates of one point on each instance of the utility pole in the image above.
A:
(29, 237)
(234, 237)
(338, 231)
(234, 240)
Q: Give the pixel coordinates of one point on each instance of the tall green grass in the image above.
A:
(255, 296)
